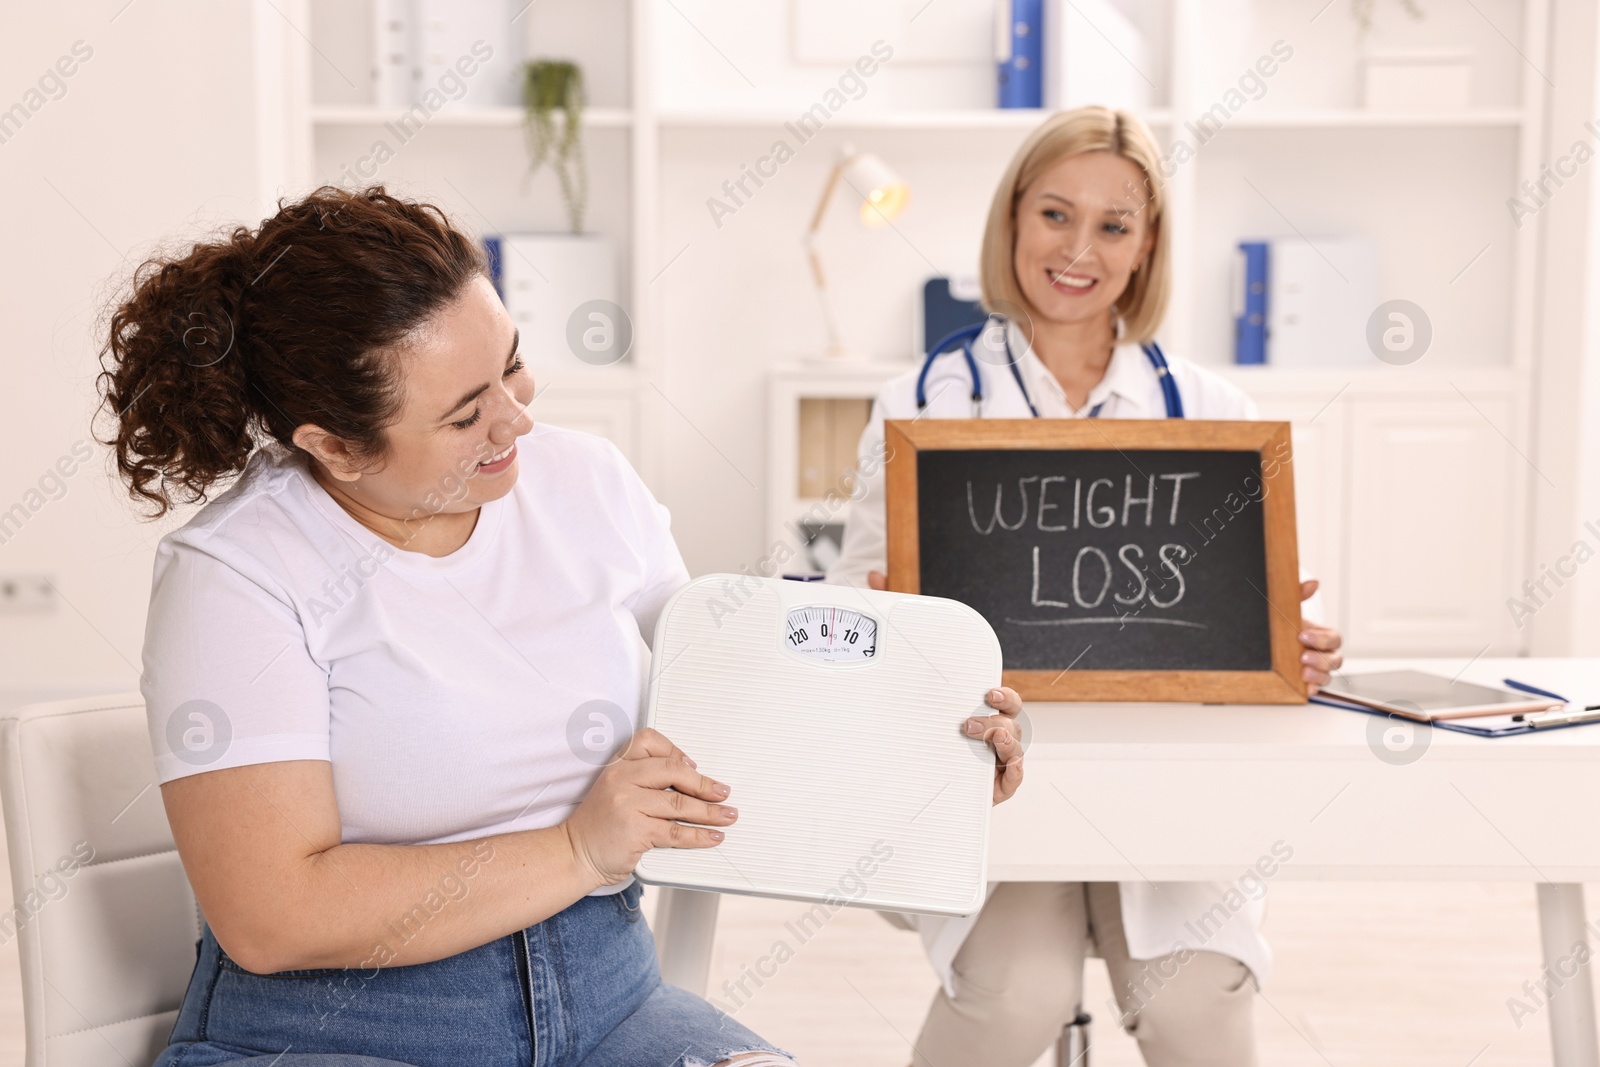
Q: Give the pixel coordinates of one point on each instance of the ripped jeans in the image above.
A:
(580, 989)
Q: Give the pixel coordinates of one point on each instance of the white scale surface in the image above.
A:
(847, 760)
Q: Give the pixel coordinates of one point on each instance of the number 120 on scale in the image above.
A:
(832, 635)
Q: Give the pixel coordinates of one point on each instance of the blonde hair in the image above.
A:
(1069, 133)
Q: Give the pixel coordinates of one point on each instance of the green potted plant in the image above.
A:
(548, 86)
(1362, 10)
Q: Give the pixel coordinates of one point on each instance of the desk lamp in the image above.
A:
(883, 197)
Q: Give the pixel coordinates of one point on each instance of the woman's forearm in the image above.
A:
(262, 846)
(367, 906)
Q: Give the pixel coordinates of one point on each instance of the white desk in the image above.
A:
(1171, 792)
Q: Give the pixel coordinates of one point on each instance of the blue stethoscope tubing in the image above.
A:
(968, 334)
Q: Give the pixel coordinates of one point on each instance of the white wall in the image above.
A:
(153, 137)
(741, 298)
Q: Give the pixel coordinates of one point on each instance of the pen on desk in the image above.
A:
(1537, 719)
(1523, 715)
(1535, 690)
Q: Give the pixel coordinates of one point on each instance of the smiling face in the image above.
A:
(1080, 234)
(466, 398)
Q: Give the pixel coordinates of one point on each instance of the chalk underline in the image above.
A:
(1118, 621)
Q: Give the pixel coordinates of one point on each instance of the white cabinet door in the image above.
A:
(1318, 432)
(1431, 491)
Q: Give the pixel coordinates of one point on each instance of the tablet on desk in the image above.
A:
(1425, 697)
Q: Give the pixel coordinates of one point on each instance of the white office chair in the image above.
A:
(1072, 1050)
(107, 948)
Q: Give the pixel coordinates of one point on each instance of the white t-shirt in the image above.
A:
(456, 697)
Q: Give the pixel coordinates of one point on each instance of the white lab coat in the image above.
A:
(1159, 919)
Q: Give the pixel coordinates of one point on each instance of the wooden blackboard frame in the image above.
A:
(1280, 685)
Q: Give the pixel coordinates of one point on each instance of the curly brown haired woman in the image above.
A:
(364, 654)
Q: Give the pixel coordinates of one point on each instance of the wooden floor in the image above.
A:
(1368, 974)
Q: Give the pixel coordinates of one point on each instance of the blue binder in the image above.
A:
(1250, 314)
(1020, 52)
(494, 253)
(943, 313)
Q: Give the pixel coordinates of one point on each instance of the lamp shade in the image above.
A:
(883, 198)
(884, 194)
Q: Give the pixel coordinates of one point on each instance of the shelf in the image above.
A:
(957, 119)
(1020, 119)
(1028, 118)
(869, 369)
(843, 378)
(1375, 381)
(363, 115)
(1354, 118)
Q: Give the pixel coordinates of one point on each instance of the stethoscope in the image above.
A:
(968, 334)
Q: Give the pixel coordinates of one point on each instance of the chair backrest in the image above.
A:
(105, 919)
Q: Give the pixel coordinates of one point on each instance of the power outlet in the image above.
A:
(26, 593)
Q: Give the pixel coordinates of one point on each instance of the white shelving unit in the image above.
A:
(1395, 464)
(471, 160)
(686, 92)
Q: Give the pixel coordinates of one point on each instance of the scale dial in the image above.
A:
(832, 635)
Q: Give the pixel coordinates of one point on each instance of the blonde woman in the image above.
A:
(1075, 274)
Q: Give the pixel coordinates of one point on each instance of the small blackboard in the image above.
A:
(1117, 559)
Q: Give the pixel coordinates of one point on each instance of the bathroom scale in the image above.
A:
(835, 714)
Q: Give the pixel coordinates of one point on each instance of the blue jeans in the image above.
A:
(580, 989)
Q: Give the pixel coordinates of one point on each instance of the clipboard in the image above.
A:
(1484, 726)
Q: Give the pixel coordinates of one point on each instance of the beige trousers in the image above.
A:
(1019, 977)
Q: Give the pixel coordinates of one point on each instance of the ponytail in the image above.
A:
(181, 404)
(245, 339)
